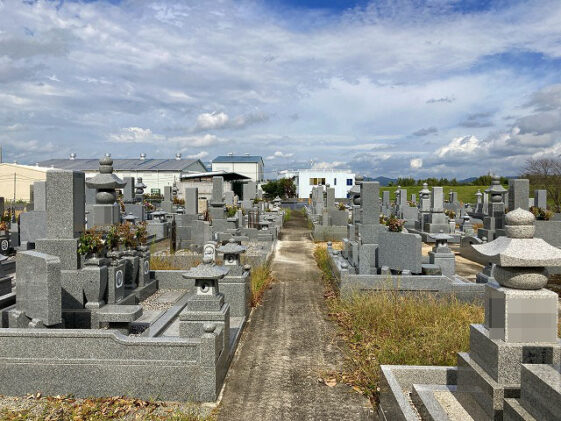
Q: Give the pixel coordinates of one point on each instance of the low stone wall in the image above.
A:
(93, 363)
(329, 233)
(350, 283)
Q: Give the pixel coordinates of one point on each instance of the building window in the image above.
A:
(316, 181)
(155, 191)
(349, 181)
(335, 181)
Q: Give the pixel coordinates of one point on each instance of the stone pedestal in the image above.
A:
(115, 281)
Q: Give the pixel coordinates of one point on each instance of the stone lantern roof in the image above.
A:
(496, 188)
(441, 237)
(105, 180)
(519, 248)
(208, 270)
(425, 192)
(232, 248)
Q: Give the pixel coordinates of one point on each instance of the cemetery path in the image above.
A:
(289, 346)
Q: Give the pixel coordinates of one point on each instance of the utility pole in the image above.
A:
(14, 201)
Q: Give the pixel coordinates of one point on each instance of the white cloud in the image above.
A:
(136, 135)
(210, 121)
(200, 155)
(196, 141)
(328, 165)
(416, 163)
(460, 145)
(279, 154)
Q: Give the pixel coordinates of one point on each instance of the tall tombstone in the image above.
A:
(249, 190)
(191, 200)
(1, 206)
(437, 199)
(370, 202)
(30, 206)
(485, 203)
(402, 199)
(386, 198)
(540, 199)
(229, 198)
(518, 193)
(217, 208)
(218, 190)
(65, 206)
(90, 195)
(129, 190)
(39, 196)
(167, 194)
(330, 197)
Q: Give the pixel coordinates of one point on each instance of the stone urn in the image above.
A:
(95, 283)
(520, 258)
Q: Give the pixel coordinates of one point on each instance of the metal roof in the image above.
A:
(238, 159)
(123, 164)
(228, 176)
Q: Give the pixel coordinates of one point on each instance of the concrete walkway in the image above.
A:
(289, 345)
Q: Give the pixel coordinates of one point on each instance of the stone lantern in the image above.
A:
(207, 303)
(106, 211)
(519, 257)
(520, 328)
(139, 190)
(130, 218)
(232, 252)
(441, 255)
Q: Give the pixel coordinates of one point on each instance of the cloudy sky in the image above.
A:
(390, 87)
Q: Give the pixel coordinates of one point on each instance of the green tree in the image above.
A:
(283, 187)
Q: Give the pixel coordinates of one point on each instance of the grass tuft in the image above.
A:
(390, 328)
(99, 409)
(287, 214)
(261, 278)
(162, 263)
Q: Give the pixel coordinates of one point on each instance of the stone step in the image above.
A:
(502, 360)
(514, 411)
(428, 407)
(475, 385)
(540, 392)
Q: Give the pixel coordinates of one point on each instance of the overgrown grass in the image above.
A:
(287, 214)
(98, 409)
(261, 278)
(162, 263)
(390, 328)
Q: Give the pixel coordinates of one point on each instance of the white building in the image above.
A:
(251, 166)
(341, 180)
(155, 173)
